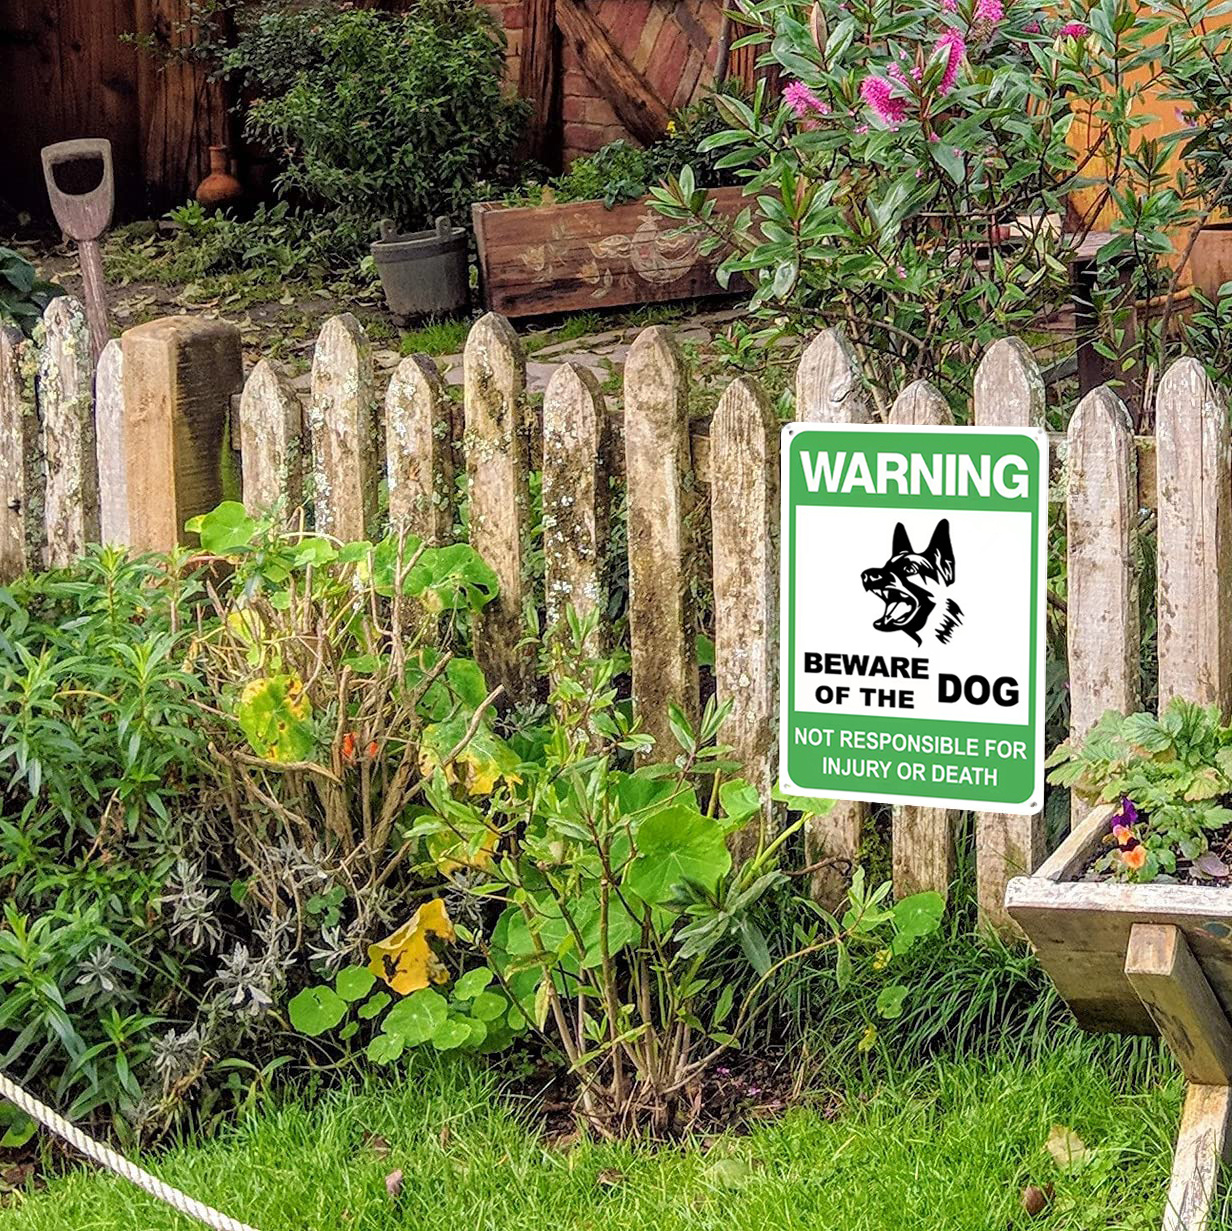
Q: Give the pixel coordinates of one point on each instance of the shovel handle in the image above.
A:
(82, 215)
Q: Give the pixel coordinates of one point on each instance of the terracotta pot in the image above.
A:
(220, 187)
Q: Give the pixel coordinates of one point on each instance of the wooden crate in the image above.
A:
(537, 259)
(1080, 930)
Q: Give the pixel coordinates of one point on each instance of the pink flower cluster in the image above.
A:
(878, 93)
(1074, 29)
(957, 45)
(989, 11)
(803, 101)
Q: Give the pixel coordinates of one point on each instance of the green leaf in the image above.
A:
(488, 1006)
(739, 799)
(275, 715)
(354, 983)
(223, 529)
(470, 984)
(451, 1034)
(371, 1007)
(890, 1001)
(919, 915)
(675, 846)
(316, 1010)
(466, 680)
(385, 1048)
(417, 1018)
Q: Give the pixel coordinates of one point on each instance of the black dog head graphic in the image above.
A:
(911, 585)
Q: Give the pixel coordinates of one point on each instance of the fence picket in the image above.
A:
(180, 374)
(494, 387)
(744, 512)
(66, 398)
(1009, 392)
(341, 416)
(112, 445)
(419, 450)
(21, 459)
(271, 440)
(576, 495)
(1193, 475)
(1102, 590)
(922, 838)
(658, 472)
(829, 389)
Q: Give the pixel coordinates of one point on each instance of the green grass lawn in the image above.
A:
(946, 1148)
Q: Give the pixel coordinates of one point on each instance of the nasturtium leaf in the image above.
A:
(348, 1031)
(354, 982)
(274, 713)
(313, 550)
(919, 915)
(478, 1031)
(224, 528)
(483, 762)
(372, 1006)
(417, 1018)
(890, 1001)
(467, 682)
(405, 959)
(449, 578)
(18, 1127)
(470, 984)
(385, 1048)
(316, 1010)
(488, 1006)
(739, 799)
(450, 1034)
(674, 846)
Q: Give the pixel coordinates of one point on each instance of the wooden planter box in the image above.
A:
(1145, 959)
(537, 259)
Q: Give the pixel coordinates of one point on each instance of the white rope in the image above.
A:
(116, 1162)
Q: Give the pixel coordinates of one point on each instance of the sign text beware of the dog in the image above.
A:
(913, 586)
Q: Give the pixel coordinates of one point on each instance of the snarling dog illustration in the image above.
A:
(912, 585)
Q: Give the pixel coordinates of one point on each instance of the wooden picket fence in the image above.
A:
(132, 458)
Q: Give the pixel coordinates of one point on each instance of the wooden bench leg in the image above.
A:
(1168, 980)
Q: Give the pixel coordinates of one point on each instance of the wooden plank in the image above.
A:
(112, 446)
(744, 517)
(1009, 392)
(659, 500)
(419, 463)
(1102, 594)
(1072, 858)
(1195, 538)
(922, 839)
(271, 441)
(1202, 1150)
(1081, 929)
(576, 496)
(66, 403)
(637, 106)
(539, 81)
(180, 373)
(1163, 971)
(342, 420)
(830, 389)
(497, 474)
(557, 258)
(22, 532)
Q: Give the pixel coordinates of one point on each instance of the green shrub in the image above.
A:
(23, 296)
(375, 115)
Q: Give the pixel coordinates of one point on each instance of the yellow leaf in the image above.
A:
(451, 853)
(405, 959)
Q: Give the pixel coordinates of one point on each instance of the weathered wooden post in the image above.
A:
(342, 418)
(494, 374)
(744, 516)
(829, 389)
(271, 440)
(110, 430)
(576, 496)
(21, 459)
(658, 470)
(922, 838)
(179, 375)
(419, 450)
(1009, 392)
(66, 404)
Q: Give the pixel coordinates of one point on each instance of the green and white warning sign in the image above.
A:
(913, 587)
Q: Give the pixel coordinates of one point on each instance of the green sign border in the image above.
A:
(1027, 792)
